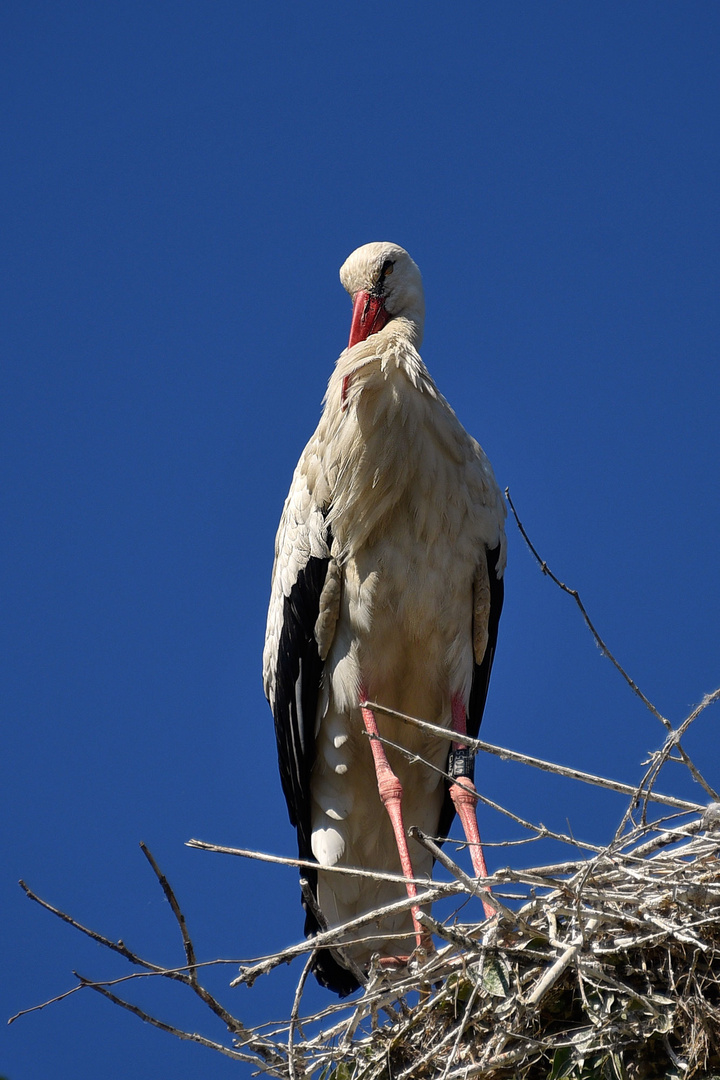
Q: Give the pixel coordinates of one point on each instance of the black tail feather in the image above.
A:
(328, 971)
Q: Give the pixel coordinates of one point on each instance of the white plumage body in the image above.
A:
(405, 504)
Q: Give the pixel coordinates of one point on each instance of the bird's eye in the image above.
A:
(387, 267)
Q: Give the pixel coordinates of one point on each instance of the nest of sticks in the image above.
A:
(611, 968)
(606, 967)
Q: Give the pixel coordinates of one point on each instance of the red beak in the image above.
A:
(368, 317)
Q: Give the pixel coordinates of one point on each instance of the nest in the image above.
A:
(610, 969)
(603, 968)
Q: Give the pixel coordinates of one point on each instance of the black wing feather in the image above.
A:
(481, 678)
(297, 687)
(481, 673)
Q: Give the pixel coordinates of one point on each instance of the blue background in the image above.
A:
(180, 185)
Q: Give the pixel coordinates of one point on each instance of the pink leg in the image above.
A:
(463, 793)
(391, 792)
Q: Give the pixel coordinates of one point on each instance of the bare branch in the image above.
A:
(44, 1004)
(605, 650)
(476, 886)
(329, 939)
(178, 1032)
(281, 860)
(116, 946)
(526, 759)
(294, 1012)
(180, 918)
(588, 622)
(541, 831)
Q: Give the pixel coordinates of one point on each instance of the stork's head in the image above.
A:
(385, 284)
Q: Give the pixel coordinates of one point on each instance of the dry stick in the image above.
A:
(541, 830)
(330, 937)
(500, 1062)
(190, 1036)
(321, 1014)
(644, 789)
(176, 974)
(436, 1050)
(473, 884)
(118, 947)
(165, 972)
(234, 1025)
(467, 1013)
(619, 841)
(349, 963)
(179, 917)
(604, 649)
(414, 1018)
(294, 1016)
(50, 1001)
(602, 976)
(659, 838)
(553, 973)
(544, 984)
(281, 860)
(448, 933)
(664, 838)
(661, 826)
(674, 737)
(323, 1038)
(588, 622)
(372, 1000)
(526, 759)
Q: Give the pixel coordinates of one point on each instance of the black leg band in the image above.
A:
(461, 763)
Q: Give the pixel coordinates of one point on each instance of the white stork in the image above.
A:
(387, 587)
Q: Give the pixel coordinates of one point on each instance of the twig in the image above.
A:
(237, 1055)
(116, 946)
(231, 1022)
(588, 622)
(673, 740)
(330, 937)
(604, 649)
(467, 1013)
(179, 917)
(44, 1004)
(294, 1016)
(553, 973)
(537, 763)
(307, 864)
(644, 791)
(477, 886)
(309, 898)
(542, 832)
(188, 977)
(670, 836)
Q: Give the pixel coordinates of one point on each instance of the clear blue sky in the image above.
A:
(180, 184)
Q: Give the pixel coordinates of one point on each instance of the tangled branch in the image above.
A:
(604, 965)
